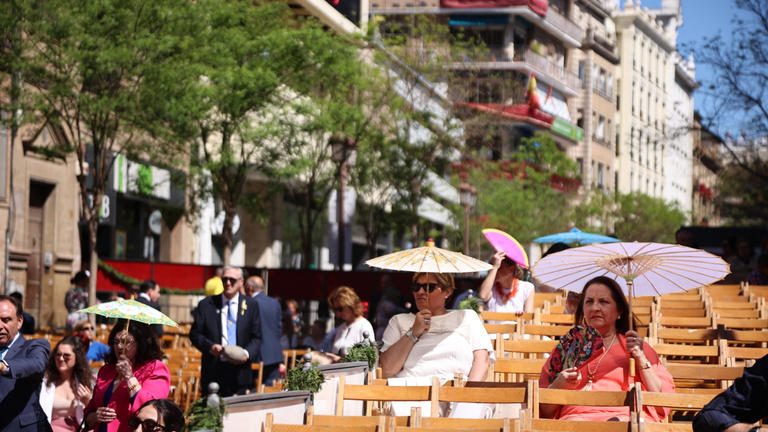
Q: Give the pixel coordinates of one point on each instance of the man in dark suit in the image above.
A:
(222, 322)
(149, 294)
(271, 328)
(28, 327)
(22, 364)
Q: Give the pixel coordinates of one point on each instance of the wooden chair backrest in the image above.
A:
(382, 393)
(503, 329)
(702, 375)
(271, 426)
(434, 424)
(688, 322)
(742, 323)
(693, 336)
(517, 370)
(553, 318)
(679, 353)
(552, 331)
(750, 312)
(746, 336)
(581, 398)
(722, 290)
(505, 316)
(528, 348)
(539, 298)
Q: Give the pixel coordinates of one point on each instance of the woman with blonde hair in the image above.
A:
(435, 341)
(354, 328)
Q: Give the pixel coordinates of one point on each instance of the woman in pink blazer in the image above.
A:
(133, 373)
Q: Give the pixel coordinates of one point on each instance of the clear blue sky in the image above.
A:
(702, 19)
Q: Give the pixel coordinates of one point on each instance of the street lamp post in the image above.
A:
(341, 149)
(467, 198)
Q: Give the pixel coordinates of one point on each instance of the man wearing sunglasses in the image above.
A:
(227, 330)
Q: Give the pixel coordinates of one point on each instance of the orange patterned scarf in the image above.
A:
(506, 297)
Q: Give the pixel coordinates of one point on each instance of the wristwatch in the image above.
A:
(412, 336)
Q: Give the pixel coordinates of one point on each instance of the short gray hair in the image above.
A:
(239, 270)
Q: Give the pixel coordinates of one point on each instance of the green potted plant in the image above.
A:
(207, 414)
(471, 302)
(363, 351)
(307, 378)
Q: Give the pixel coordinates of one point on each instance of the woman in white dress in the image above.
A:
(354, 328)
(503, 291)
(435, 341)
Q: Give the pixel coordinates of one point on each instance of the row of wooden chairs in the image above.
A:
(527, 394)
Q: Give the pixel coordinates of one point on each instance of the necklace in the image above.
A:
(591, 372)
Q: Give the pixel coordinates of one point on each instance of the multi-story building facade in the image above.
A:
(596, 105)
(645, 79)
(678, 155)
(524, 38)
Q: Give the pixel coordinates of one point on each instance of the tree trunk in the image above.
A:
(93, 225)
(226, 236)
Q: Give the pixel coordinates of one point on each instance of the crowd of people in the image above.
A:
(237, 324)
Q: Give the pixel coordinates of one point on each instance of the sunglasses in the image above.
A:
(66, 357)
(147, 425)
(430, 287)
(229, 280)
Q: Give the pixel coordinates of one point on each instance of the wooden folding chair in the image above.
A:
(740, 323)
(686, 404)
(383, 393)
(677, 353)
(754, 338)
(703, 376)
(504, 317)
(532, 420)
(690, 336)
(553, 318)
(372, 420)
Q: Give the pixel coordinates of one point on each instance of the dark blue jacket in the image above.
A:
(746, 401)
(206, 331)
(271, 329)
(20, 408)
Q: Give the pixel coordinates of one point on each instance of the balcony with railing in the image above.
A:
(564, 25)
(528, 61)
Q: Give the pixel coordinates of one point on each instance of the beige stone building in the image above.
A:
(644, 81)
(597, 62)
(39, 196)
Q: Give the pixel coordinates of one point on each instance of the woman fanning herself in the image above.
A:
(133, 374)
(503, 291)
(66, 387)
(603, 365)
(435, 341)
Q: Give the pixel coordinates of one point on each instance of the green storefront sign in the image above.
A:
(568, 130)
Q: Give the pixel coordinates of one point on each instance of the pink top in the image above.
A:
(155, 380)
(612, 374)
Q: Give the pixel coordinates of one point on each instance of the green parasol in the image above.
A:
(130, 310)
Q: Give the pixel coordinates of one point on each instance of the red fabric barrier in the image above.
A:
(537, 6)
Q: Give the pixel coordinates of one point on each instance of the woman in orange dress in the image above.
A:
(604, 309)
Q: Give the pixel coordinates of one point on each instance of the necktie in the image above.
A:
(232, 323)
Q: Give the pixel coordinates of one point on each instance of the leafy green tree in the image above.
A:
(525, 197)
(630, 217)
(86, 68)
(640, 217)
(735, 102)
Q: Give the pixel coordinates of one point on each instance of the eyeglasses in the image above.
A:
(147, 425)
(124, 342)
(66, 357)
(229, 280)
(430, 287)
(89, 328)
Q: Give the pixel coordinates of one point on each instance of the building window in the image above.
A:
(600, 129)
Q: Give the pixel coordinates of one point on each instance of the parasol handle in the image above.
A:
(630, 286)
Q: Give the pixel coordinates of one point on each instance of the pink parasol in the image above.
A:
(502, 241)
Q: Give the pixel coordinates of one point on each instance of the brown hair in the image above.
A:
(345, 296)
(622, 323)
